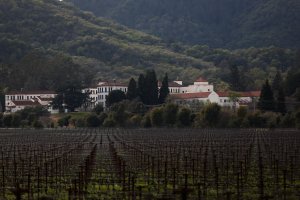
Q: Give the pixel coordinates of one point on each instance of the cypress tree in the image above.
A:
(164, 90)
(279, 95)
(266, 100)
(235, 79)
(280, 101)
(141, 90)
(132, 90)
(151, 88)
(277, 82)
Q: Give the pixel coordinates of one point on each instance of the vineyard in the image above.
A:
(134, 164)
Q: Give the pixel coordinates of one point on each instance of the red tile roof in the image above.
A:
(171, 84)
(26, 103)
(113, 84)
(197, 95)
(241, 94)
(35, 92)
(200, 79)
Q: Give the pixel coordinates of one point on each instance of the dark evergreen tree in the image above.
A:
(70, 98)
(235, 79)
(280, 101)
(277, 82)
(266, 100)
(132, 90)
(279, 95)
(151, 88)
(142, 93)
(164, 90)
(115, 96)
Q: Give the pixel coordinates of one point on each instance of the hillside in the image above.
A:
(101, 47)
(46, 44)
(217, 23)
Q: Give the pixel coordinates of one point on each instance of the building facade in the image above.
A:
(18, 100)
(199, 92)
(99, 93)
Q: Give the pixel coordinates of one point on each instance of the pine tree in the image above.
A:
(280, 101)
(279, 95)
(164, 90)
(277, 82)
(235, 79)
(141, 90)
(132, 90)
(266, 100)
(151, 88)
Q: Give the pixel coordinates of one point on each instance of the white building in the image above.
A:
(99, 93)
(200, 92)
(18, 100)
(224, 99)
(200, 85)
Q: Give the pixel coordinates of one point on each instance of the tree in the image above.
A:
(92, 120)
(142, 93)
(279, 95)
(170, 114)
(292, 81)
(164, 90)
(156, 117)
(7, 120)
(234, 98)
(277, 82)
(266, 100)
(151, 88)
(132, 92)
(235, 79)
(98, 109)
(211, 114)
(115, 96)
(184, 117)
(69, 98)
(280, 101)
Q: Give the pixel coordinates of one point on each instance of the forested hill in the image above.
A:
(46, 43)
(216, 23)
(115, 51)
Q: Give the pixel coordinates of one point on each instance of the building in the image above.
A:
(199, 92)
(18, 100)
(200, 85)
(99, 92)
(224, 99)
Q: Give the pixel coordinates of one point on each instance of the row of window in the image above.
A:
(109, 89)
(20, 97)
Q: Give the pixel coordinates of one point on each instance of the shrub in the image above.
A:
(102, 117)
(16, 120)
(184, 117)
(109, 122)
(242, 112)
(7, 120)
(170, 114)
(37, 124)
(211, 115)
(92, 120)
(80, 122)
(156, 117)
(98, 109)
(146, 121)
(64, 121)
(287, 121)
(134, 121)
